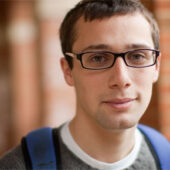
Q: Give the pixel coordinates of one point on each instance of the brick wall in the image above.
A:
(32, 89)
(57, 97)
(158, 113)
(25, 100)
(162, 11)
(4, 79)
(151, 116)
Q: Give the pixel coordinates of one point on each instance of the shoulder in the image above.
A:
(155, 137)
(159, 145)
(13, 159)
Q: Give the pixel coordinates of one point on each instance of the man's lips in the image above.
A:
(117, 103)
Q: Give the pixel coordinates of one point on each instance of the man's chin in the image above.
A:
(122, 124)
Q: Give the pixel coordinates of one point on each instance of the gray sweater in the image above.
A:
(14, 160)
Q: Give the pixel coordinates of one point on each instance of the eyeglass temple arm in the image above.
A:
(70, 54)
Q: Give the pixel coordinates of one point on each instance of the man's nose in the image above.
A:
(119, 75)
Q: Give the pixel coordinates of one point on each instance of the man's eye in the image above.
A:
(138, 56)
(98, 58)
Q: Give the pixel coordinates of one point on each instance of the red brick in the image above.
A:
(165, 38)
(162, 4)
(165, 89)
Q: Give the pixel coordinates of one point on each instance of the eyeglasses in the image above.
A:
(98, 60)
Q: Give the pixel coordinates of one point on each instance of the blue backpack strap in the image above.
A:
(160, 145)
(41, 149)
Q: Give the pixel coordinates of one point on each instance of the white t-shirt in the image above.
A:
(122, 164)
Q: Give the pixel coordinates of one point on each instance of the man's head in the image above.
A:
(114, 60)
(99, 9)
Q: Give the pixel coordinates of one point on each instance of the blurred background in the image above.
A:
(32, 89)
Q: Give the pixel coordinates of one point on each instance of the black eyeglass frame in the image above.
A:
(116, 55)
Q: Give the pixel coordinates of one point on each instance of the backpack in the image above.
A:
(40, 152)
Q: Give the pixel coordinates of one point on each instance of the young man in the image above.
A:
(112, 60)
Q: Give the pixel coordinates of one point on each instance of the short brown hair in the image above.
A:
(99, 9)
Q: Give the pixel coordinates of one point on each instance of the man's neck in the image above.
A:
(101, 144)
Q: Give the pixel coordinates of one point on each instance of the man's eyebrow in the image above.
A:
(108, 47)
(97, 47)
(138, 46)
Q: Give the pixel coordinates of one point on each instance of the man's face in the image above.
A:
(117, 97)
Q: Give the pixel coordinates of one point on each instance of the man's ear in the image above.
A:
(67, 72)
(156, 75)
